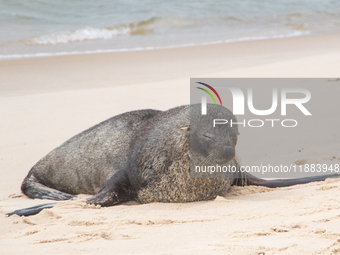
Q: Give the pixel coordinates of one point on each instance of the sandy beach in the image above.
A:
(45, 101)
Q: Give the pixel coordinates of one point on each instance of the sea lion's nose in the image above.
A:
(229, 152)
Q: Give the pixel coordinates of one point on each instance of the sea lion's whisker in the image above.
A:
(205, 160)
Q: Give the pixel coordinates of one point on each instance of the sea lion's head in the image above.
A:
(212, 143)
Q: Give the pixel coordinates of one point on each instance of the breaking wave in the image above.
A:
(90, 33)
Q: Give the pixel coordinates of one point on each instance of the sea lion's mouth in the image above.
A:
(221, 154)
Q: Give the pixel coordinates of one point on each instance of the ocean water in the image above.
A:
(31, 28)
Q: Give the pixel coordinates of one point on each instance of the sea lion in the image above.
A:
(144, 156)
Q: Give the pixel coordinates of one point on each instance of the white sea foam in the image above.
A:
(18, 56)
(79, 35)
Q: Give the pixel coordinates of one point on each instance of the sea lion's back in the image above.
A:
(84, 163)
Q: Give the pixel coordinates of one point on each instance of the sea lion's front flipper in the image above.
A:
(116, 190)
(32, 210)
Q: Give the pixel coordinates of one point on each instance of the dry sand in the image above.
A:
(45, 101)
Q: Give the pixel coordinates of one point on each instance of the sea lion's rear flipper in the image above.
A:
(252, 180)
(32, 210)
(33, 189)
(116, 190)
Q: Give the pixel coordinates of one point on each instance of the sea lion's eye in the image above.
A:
(208, 136)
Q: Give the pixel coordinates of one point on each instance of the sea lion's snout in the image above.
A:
(229, 152)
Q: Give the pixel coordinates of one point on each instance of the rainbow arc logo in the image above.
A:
(209, 93)
(204, 98)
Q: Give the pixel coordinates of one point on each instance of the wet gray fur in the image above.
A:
(142, 155)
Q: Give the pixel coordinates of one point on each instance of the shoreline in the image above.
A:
(100, 70)
(55, 54)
